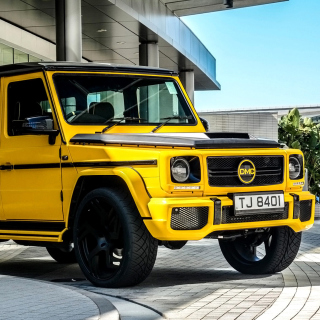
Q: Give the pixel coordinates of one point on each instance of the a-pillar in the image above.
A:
(149, 96)
(68, 30)
(187, 79)
(149, 54)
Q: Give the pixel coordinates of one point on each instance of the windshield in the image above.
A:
(99, 99)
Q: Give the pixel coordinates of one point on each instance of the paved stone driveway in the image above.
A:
(197, 283)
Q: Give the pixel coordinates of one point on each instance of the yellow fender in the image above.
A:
(134, 182)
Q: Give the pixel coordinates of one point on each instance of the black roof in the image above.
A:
(27, 67)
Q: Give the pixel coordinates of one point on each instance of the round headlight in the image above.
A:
(294, 168)
(180, 170)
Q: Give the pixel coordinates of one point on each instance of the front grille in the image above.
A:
(223, 171)
(229, 217)
(305, 210)
(189, 218)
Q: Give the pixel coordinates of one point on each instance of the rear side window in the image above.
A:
(26, 99)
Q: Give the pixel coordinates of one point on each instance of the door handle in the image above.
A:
(6, 167)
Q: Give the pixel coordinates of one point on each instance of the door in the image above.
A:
(30, 167)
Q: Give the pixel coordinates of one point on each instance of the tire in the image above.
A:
(281, 247)
(112, 245)
(61, 255)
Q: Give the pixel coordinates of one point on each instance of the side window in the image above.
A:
(28, 107)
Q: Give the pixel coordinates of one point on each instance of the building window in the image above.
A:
(10, 55)
(6, 54)
(19, 56)
(34, 59)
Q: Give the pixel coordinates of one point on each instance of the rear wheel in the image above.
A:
(113, 247)
(268, 252)
(62, 255)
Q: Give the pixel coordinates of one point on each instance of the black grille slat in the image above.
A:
(229, 217)
(189, 218)
(223, 171)
(305, 210)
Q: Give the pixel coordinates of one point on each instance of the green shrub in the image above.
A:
(303, 134)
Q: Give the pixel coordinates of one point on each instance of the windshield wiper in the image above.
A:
(116, 123)
(169, 119)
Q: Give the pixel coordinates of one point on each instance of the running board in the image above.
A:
(32, 231)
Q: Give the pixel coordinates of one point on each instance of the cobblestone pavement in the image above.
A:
(197, 283)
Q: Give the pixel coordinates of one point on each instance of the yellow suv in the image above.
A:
(102, 163)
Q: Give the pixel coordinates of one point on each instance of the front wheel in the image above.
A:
(112, 245)
(263, 253)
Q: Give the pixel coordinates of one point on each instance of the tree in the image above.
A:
(303, 134)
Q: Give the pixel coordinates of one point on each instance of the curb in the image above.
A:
(153, 310)
(107, 310)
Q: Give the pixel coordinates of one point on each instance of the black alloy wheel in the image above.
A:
(112, 245)
(262, 253)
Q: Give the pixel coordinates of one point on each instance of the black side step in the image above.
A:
(33, 226)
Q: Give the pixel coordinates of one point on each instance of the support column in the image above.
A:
(68, 30)
(149, 54)
(187, 79)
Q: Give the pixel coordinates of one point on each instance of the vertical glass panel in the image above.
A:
(69, 104)
(20, 56)
(6, 54)
(93, 98)
(33, 59)
(116, 99)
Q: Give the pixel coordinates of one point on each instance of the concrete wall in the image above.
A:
(259, 124)
(26, 42)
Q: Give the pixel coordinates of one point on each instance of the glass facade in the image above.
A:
(9, 55)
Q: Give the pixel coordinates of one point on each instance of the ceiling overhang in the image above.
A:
(189, 7)
(113, 29)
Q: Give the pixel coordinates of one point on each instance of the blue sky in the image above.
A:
(267, 55)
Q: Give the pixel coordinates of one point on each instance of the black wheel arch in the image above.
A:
(85, 184)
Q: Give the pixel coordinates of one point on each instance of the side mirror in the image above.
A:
(41, 125)
(51, 133)
(205, 124)
(52, 136)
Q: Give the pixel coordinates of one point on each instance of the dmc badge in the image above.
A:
(246, 171)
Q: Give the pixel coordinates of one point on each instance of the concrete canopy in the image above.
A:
(113, 29)
(189, 7)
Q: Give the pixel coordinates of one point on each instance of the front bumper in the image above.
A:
(162, 209)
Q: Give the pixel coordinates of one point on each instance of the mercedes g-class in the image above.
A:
(102, 163)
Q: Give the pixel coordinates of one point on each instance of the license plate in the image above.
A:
(250, 203)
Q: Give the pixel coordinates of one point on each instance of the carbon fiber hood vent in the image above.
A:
(209, 140)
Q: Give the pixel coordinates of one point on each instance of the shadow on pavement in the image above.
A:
(164, 277)
(36, 263)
